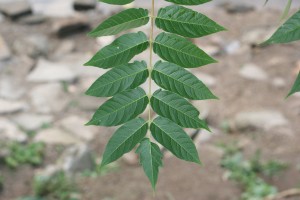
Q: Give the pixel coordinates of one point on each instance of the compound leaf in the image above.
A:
(177, 109)
(189, 2)
(117, 2)
(180, 51)
(121, 108)
(185, 22)
(127, 19)
(288, 32)
(296, 86)
(124, 140)
(120, 51)
(173, 138)
(176, 79)
(150, 159)
(119, 79)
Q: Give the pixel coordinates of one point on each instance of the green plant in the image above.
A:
(123, 80)
(246, 172)
(288, 32)
(24, 154)
(58, 186)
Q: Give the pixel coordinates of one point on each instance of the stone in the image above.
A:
(5, 53)
(84, 4)
(55, 136)
(212, 50)
(76, 126)
(253, 72)
(204, 107)
(70, 25)
(8, 131)
(279, 83)
(64, 48)
(15, 9)
(207, 79)
(33, 19)
(32, 122)
(77, 159)
(235, 8)
(53, 8)
(47, 71)
(9, 107)
(258, 120)
(256, 36)
(48, 98)
(10, 89)
(105, 40)
(33, 45)
(232, 47)
(89, 103)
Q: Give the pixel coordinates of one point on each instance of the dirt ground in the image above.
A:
(179, 180)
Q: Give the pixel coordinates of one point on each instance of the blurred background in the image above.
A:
(46, 152)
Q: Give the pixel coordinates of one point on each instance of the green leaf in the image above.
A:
(124, 140)
(120, 51)
(189, 2)
(185, 22)
(180, 51)
(173, 138)
(119, 79)
(288, 32)
(296, 87)
(177, 109)
(117, 2)
(176, 79)
(121, 108)
(127, 19)
(150, 159)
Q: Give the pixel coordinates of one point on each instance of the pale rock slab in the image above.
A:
(47, 71)
(32, 122)
(8, 131)
(252, 72)
(259, 120)
(48, 98)
(56, 136)
(76, 126)
(8, 107)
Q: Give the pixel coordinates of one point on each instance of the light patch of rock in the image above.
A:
(8, 131)
(33, 45)
(53, 8)
(55, 136)
(48, 98)
(8, 107)
(253, 72)
(5, 53)
(204, 108)
(47, 71)
(278, 82)
(259, 120)
(105, 40)
(32, 122)
(15, 9)
(207, 79)
(76, 126)
(77, 159)
(9, 89)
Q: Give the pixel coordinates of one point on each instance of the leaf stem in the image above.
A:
(150, 67)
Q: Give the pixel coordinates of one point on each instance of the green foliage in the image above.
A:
(150, 159)
(1, 182)
(288, 32)
(296, 86)
(122, 82)
(20, 154)
(247, 172)
(58, 186)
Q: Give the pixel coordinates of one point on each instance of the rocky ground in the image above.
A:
(42, 84)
